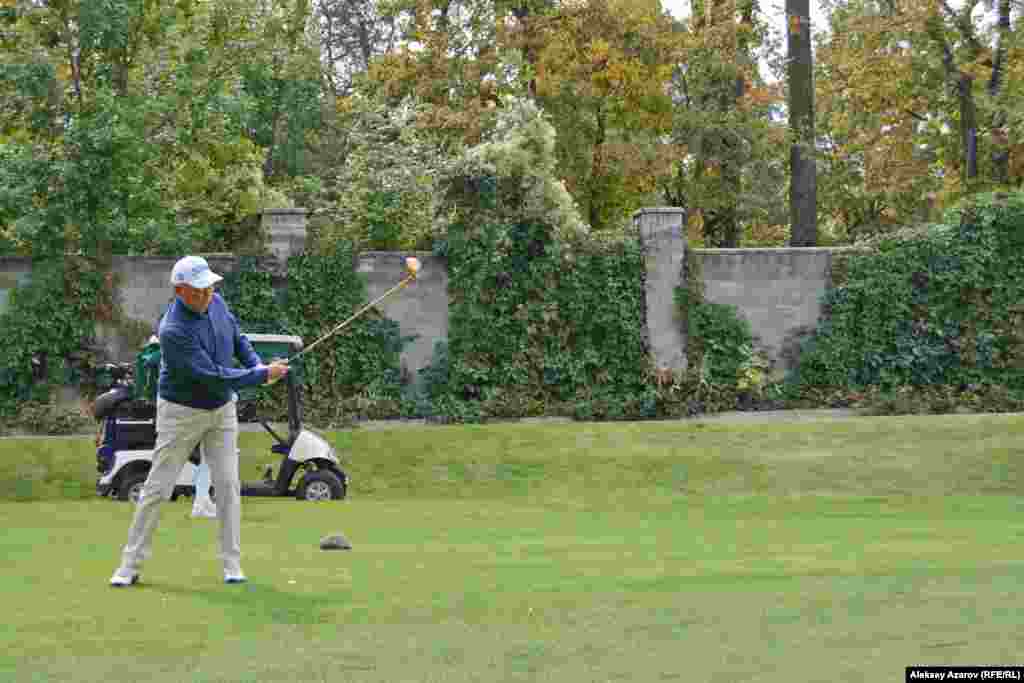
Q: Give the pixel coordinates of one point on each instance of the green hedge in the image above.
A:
(359, 367)
(47, 332)
(541, 326)
(537, 326)
(938, 306)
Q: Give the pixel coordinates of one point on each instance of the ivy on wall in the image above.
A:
(49, 335)
(544, 318)
(547, 319)
(255, 302)
(358, 371)
(720, 345)
(940, 307)
(538, 325)
(936, 306)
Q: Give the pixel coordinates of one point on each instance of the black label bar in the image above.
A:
(921, 674)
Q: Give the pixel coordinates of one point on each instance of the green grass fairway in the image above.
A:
(841, 550)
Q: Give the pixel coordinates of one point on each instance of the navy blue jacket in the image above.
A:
(197, 353)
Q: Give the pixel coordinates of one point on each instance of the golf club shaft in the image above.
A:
(348, 321)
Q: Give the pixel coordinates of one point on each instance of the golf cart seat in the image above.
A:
(107, 402)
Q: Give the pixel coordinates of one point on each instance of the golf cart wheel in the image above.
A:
(320, 485)
(130, 488)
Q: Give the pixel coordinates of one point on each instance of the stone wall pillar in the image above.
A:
(286, 231)
(14, 272)
(663, 235)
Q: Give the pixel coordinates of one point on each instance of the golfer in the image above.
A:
(196, 396)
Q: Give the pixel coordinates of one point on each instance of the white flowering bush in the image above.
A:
(511, 177)
(383, 195)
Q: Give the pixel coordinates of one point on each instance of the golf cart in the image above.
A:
(127, 435)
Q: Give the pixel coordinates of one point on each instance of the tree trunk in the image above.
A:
(522, 14)
(727, 229)
(597, 171)
(729, 219)
(722, 220)
(968, 126)
(803, 200)
(1000, 140)
(960, 84)
(268, 159)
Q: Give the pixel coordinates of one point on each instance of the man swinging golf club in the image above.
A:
(196, 396)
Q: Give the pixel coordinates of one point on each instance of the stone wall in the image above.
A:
(778, 290)
(664, 240)
(144, 290)
(285, 230)
(420, 309)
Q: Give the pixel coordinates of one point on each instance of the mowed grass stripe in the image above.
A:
(582, 594)
(887, 456)
(841, 550)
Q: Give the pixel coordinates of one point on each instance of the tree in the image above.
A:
(77, 149)
(517, 163)
(124, 125)
(919, 105)
(879, 140)
(449, 59)
(599, 69)
(383, 195)
(726, 167)
(603, 76)
(1000, 139)
(966, 57)
(282, 83)
(996, 87)
(352, 34)
(803, 205)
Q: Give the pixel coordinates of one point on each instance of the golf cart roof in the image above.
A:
(291, 340)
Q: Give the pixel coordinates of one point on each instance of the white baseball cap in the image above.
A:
(194, 271)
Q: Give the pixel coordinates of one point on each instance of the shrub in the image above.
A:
(938, 307)
(355, 373)
(542, 315)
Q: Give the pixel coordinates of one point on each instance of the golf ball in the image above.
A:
(412, 264)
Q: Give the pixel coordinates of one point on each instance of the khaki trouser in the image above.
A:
(178, 430)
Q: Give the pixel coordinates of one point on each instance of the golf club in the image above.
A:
(412, 267)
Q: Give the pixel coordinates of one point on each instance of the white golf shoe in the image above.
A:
(234, 577)
(204, 508)
(120, 580)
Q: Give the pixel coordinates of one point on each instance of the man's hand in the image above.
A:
(276, 371)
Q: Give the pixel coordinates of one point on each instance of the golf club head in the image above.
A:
(412, 266)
